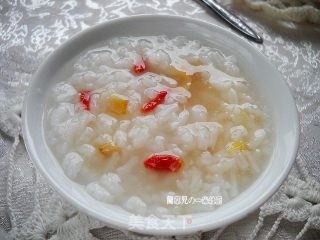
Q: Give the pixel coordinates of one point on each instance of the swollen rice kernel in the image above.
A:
(71, 164)
(238, 132)
(136, 205)
(99, 193)
(112, 183)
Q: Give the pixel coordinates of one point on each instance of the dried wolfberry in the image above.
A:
(85, 99)
(153, 103)
(139, 67)
(163, 162)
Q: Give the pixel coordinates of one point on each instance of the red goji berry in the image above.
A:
(85, 99)
(163, 162)
(139, 67)
(153, 103)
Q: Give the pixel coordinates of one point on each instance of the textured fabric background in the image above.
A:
(31, 29)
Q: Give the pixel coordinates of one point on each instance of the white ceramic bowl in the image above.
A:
(256, 68)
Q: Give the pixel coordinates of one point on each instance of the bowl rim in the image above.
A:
(124, 226)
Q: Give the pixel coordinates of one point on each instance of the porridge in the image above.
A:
(145, 119)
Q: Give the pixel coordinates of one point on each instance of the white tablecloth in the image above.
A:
(31, 29)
